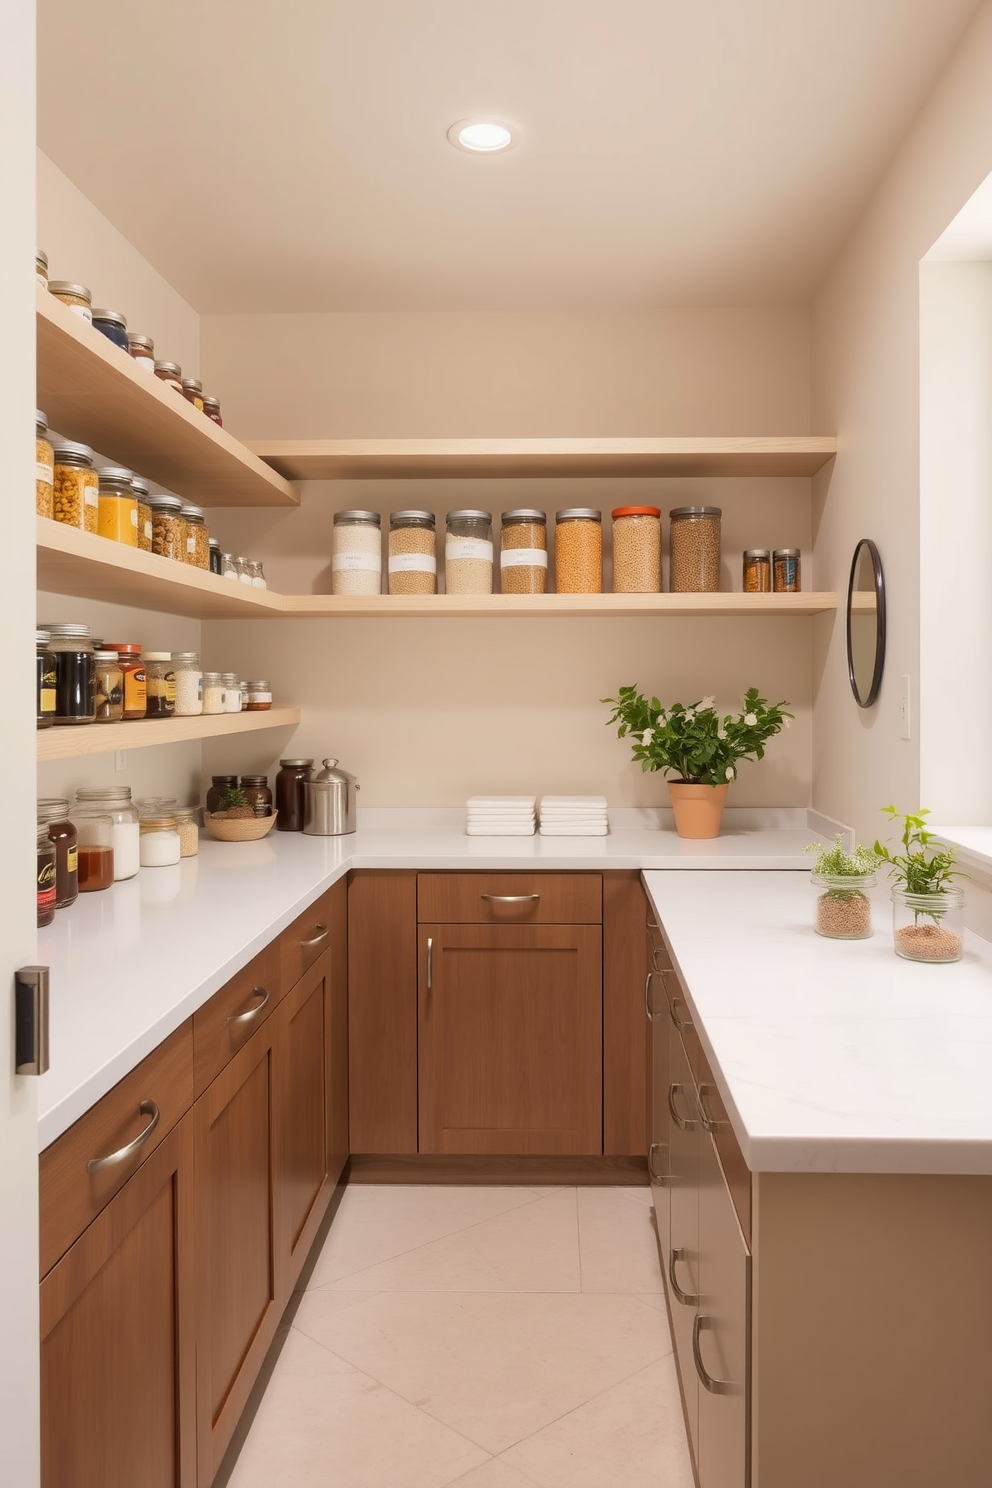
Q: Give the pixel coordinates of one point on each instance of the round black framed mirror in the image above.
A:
(866, 623)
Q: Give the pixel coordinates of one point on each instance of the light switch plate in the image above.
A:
(905, 709)
(120, 759)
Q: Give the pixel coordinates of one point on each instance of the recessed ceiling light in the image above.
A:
(482, 137)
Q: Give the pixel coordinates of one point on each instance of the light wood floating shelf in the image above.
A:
(92, 391)
(405, 459)
(73, 741)
(532, 606)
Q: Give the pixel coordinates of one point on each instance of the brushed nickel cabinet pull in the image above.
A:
(315, 940)
(647, 997)
(687, 1299)
(511, 898)
(252, 1012)
(708, 1122)
(652, 924)
(114, 1159)
(673, 1003)
(654, 960)
(655, 1177)
(715, 1386)
(682, 1122)
(430, 962)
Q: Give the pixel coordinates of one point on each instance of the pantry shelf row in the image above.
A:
(71, 742)
(87, 566)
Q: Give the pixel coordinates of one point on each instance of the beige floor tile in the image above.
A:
(495, 1367)
(531, 1248)
(324, 1424)
(631, 1435)
(617, 1245)
(377, 1222)
(496, 1473)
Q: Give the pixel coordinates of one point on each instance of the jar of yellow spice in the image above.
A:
(44, 467)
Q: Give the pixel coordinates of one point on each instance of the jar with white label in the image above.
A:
(356, 553)
(197, 551)
(77, 488)
(213, 693)
(468, 553)
(142, 351)
(140, 489)
(232, 692)
(117, 507)
(44, 467)
(189, 684)
(258, 696)
(523, 558)
(160, 684)
(76, 296)
(412, 553)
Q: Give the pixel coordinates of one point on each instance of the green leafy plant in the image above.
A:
(837, 862)
(692, 739)
(922, 868)
(236, 805)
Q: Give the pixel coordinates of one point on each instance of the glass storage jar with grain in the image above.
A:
(158, 836)
(109, 687)
(142, 351)
(189, 836)
(579, 551)
(75, 679)
(45, 665)
(76, 296)
(757, 571)
(412, 548)
(197, 549)
(255, 573)
(229, 567)
(193, 392)
(115, 802)
(168, 527)
(211, 407)
(637, 550)
(44, 467)
(213, 693)
(171, 374)
(232, 692)
(160, 684)
(189, 683)
(290, 795)
(77, 488)
(787, 569)
(117, 512)
(140, 489)
(95, 846)
(41, 267)
(133, 672)
(54, 813)
(695, 549)
(113, 325)
(46, 876)
(468, 552)
(523, 551)
(356, 553)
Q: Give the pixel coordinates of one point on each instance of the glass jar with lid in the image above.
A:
(579, 550)
(117, 513)
(412, 553)
(171, 374)
(197, 548)
(41, 267)
(53, 812)
(115, 802)
(109, 687)
(189, 836)
(787, 570)
(523, 557)
(189, 683)
(160, 684)
(44, 467)
(133, 674)
(193, 392)
(257, 794)
(142, 351)
(293, 775)
(168, 527)
(468, 552)
(140, 489)
(211, 407)
(757, 571)
(46, 680)
(46, 876)
(232, 692)
(95, 846)
(77, 490)
(356, 553)
(113, 325)
(76, 296)
(217, 792)
(212, 693)
(75, 678)
(229, 567)
(254, 569)
(216, 560)
(637, 550)
(158, 840)
(258, 696)
(695, 549)
(244, 572)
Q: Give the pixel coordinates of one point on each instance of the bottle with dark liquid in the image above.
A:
(95, 850)
(46, 876)
(54, 813)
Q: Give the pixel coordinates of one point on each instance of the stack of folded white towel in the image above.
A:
(573, 816)
(501, 816)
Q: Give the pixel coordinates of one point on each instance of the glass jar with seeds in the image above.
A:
(44, 467)
(189, 684)
(412, 561)
(197, 547)
(140, 489)
(168, 527)
(76, 296)
(356, 553)
(77, 489)
(468, 552)
(757, 571)
(523, 551)
(787, 570)
(695, 549)
(579, 551)
(637, 550)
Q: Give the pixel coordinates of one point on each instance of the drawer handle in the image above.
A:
(252, 1012)
(647, 996)
(655, 1176)
(315, 940)
(430, 961)
(688, 1299)
(652, 924)
(715, 1386)
(709, 1123)
(682, 1122)
(511, 898)
(673, 1003)
(114, 1159)
(654, 960)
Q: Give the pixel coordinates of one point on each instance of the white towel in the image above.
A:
(597, 829)
(474, 830)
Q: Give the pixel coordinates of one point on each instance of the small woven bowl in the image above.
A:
(238, 829)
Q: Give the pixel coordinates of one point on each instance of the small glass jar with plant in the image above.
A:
(843, 880)
(927, 918)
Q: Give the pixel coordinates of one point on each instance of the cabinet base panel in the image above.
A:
(374, 1167)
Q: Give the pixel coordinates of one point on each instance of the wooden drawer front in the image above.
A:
(225, 1024)
(71, 1195)
(717, 1123)
(308, 937)
(510, 898)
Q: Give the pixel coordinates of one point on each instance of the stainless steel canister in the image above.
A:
(329, 803)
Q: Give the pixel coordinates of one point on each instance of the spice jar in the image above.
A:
(77, 490)
(189, 836)
(232, 692)
(254, 570)
(193, 392)
(197, 548)
(258, 696)
(158, 840)
(637, 550)
(45, 876)
(293, 775)
(171, 374)
(244, 572)
(95, 847)
(115, 802)
(216, 561)
(189, 684)
(229, 567)
(579, 551)
(109, 687)
(211, 407)
(787, 568)
(44, 467)
(257, 794)
(523, 558)
(76, 296)
(695, 549)
(219, 787)
(160, 684)
(140, 489)
(133, 674)
(168, 527)
(757, 571)
(142, 350)
(468, 552)
(112, 324)
(54, 815)
(41, 267)
(356, 553)
(412, 553)
(212, 693)
(117, 513)
(46, 680)
(75, 680)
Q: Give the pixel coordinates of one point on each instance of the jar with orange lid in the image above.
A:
(637, 550)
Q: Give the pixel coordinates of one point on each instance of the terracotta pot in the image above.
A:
(698, 808)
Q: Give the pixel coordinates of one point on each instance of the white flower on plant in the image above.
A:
(730, 772)
(647, 736)
(750, 719)
(706, 706)
(786, 721)
(721, 732)
(689, 714)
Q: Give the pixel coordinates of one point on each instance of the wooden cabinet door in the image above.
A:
(682, 1263)
(511, 1047)
(721, 1335)
(660, 1143)
(301, 1120)
(117, 1351)
(382, 1011)
(237, 1303)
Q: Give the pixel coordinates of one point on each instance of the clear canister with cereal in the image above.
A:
(695, 549)
(77, 488)
(117, 514)
(44, 467)
(356, 553)
(787, 570)
(468, 552)
(757, 571)
(637, 550)
(140, 489)
(197, 549)
(523, 551)
(579, 550)
(412, 560)
(168, 527)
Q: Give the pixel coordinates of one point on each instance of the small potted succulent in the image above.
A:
(927, 923)
(843, 908)
(699, 745)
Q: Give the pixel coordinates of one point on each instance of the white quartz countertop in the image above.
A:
(130, 964)
(831, 1056)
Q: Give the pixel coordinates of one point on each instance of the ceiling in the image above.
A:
(293, 156)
